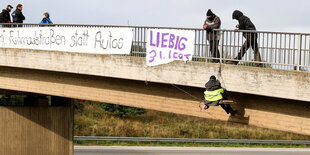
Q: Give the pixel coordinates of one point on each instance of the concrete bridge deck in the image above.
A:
(284, 84)
(121, 80)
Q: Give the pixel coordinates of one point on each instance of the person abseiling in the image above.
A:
(215, 94)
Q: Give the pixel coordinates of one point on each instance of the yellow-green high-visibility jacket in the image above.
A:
(214, 95)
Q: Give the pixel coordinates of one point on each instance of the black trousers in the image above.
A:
(250, 42)
(214, 50)
(226, 107)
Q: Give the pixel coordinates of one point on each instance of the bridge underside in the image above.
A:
(273, 113)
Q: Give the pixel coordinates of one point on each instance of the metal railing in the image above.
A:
(277, 50)
(190, 140)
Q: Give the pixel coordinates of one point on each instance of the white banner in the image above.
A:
(70, 39)
(164, 46)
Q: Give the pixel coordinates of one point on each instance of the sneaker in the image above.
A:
(258, 65)
(232, 62)
(233, 112)
(205, 107)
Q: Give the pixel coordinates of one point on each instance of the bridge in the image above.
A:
(274, 96)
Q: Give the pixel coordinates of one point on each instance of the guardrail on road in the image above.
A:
(190, 140)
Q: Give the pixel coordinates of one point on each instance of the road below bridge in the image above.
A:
(136, 150)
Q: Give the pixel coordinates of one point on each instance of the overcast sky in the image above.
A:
(269, 15)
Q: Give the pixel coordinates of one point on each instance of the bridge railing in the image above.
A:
(286, 51)
(277, 50)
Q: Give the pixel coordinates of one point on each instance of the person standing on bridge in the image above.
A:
(46, 19)
(5, 15)
(215, 94)
(213, 22)
(17, 15)
(251, 37)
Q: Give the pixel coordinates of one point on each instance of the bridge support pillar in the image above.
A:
(37, 130)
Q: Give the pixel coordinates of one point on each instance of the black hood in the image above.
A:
(237, 14)
(213, 78)
(210, 13)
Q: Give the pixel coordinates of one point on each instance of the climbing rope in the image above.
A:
(223, 82)
(175, 86)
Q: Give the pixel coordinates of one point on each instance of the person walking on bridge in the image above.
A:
(212, 22)
(17, 15)
(215, 94)
(251, 37)
(5, 15)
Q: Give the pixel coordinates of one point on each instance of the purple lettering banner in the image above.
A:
(165, 46)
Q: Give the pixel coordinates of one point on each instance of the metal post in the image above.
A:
(299, 52)
(222, 45)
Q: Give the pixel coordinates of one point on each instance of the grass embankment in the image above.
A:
(92, 120)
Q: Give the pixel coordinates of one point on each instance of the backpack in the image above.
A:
(48, 21)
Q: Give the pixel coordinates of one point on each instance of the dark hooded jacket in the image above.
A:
(212, 85)
(213, 23)
(244, 22)
(18, 16)
(5, 16)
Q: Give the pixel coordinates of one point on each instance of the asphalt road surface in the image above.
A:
(137, 150)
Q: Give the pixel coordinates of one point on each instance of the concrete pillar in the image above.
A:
(36, 130)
